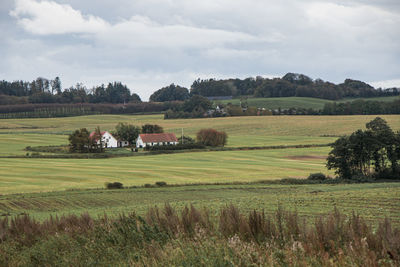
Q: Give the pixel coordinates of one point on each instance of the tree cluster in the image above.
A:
(43, 90)
(292, 84)
(374, 152)
(194, 107)
(81, 142)
(362, 107)
(170, 93)
(127, 132)
(65, 110)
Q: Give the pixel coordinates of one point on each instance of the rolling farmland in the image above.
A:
(37, 174)
(68, 181)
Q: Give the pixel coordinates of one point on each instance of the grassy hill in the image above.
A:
(298, 102)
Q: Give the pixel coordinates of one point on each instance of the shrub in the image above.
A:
(317, 177)
(211, 137)
(161, 183)
(115, 185)
(360, 178)
(148, 185)
(186, 140)
(175, 147)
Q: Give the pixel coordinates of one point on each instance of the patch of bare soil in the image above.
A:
(305, 157)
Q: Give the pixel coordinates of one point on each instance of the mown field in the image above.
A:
(298, 102)
(373, 201)
(242, 131)
(37, 175)
(43, 187)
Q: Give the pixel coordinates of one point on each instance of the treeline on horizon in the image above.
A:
(43, 90)
(50, 110)
(292, 84)
(45, 98)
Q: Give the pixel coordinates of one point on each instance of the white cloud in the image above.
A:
(386, 84)
(48, 17)
(151, 43)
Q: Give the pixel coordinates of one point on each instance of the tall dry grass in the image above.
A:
(166, 236)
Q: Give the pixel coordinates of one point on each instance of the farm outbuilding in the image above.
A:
(160, 139)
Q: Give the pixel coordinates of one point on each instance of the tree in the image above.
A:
(170, 93)
(152, 128)
(127, 132)
(339, 158)
(383, 145)
(79, 141)
(211, 137)
(97, 144)
(196, 103)
(56, 86)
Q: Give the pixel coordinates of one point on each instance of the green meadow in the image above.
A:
(16, 134)
(374, 201)
(19, 175)
(44, 186)
(298, 102)
(22, 175)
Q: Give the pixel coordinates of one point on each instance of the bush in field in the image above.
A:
(175, 147)
(317, 177)
(115, 185)
(211, 137)
(161, 183)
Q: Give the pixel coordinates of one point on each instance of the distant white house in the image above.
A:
(160, 139)
(109, 141)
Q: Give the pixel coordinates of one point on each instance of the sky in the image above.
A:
(149, 44)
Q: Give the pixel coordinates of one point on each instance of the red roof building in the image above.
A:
(156, 139)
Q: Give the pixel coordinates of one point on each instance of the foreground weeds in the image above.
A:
(193, 237)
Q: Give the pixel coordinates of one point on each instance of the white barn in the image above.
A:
(160, 139)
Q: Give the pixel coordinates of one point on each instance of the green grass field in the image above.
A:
(298, 102)
(42, 187)
(16, 134)
(373, 201)
(35, 175)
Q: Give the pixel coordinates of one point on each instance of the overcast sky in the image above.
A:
(148, 44)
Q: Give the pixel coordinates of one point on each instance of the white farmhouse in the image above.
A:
(160, 139)
(108, 140)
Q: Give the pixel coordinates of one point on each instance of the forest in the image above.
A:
(43, 90)
(291, 84)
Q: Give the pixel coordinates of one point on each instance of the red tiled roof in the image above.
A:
(159, 137)
(93, 134)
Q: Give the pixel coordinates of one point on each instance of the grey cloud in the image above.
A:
(150, 43)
